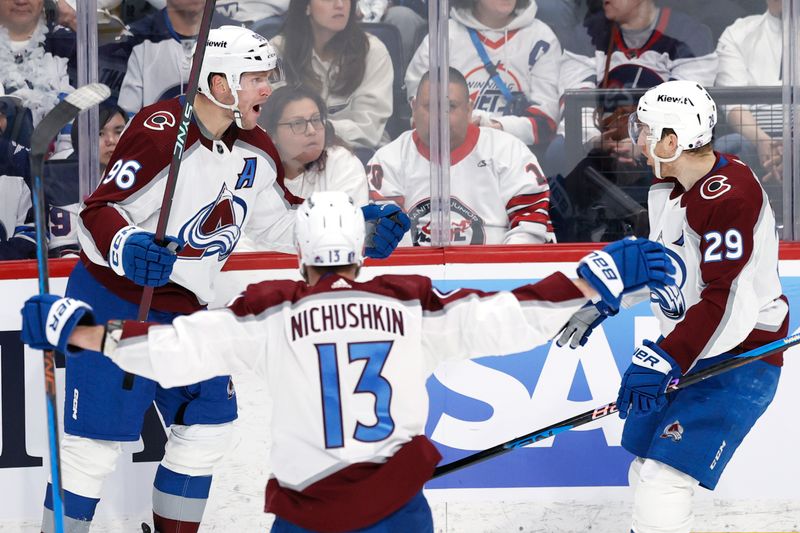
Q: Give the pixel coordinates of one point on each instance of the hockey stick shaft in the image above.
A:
(180, 141)
(62, 114)
(611, 408)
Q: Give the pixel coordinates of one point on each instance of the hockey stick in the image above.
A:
(611, 408)
(61, 115)
(177, 152)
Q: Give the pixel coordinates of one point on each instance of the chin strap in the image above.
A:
(237, 115)
(658, 160)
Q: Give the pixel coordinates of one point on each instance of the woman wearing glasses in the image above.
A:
(314, 158)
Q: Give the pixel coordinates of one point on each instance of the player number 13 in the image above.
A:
(371, 381)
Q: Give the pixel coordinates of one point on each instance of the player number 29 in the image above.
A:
(123, 173)
(727, 246)
(371, 381)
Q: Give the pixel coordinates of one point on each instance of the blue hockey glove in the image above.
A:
(48, 321)
(644, 384)
(625, 266)
(391, 223)
(135, 255)
(581, 324)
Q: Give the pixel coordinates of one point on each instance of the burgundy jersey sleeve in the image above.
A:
(141, 158)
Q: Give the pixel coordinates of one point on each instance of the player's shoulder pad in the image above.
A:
(161, 118)
(258, 297)
(733, 181)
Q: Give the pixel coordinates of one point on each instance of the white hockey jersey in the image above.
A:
(251, 10)
(343, 172)
(679, 48)
(17, 233)
(498, 194)
(158, 63)
(751, 54)
(224, 187)
(722, 237)
(346, 365)
(527, 56)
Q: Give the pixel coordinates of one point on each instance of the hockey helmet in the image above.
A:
(232, 51)
(329, 231)
(681, 105)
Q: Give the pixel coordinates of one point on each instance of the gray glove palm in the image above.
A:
(581, 324)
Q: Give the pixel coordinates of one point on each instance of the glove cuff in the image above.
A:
(599, 270)
(649, 355)
(66, 313)
(117, 247)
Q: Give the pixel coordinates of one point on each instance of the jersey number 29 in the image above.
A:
(371, 381)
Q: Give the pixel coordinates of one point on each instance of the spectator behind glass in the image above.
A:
(522, 52)
(155, 59)
(33, 58)
(629, 44)
(498, 194)
(750, 52)
(252, 12)
(16, 126)
(313, 158)
(62, 185)
(324, 48)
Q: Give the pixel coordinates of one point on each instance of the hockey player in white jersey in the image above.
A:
(346, 361)
(715, 219)
(228, 185)
(498, 194)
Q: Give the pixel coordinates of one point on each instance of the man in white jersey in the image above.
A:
(228, 185)
(715, 219)
(498, 194)
(346, 361)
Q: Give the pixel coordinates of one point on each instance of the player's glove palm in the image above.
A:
(645, 382)
(576, 332)
(48, 321)
(135, 255)
(391, 223)
(625, 266)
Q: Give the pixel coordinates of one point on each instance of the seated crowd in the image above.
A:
(357, 94)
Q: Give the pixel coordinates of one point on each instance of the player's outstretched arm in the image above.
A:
(620, 268)
(194, 348)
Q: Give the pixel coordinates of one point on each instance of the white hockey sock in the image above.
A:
(662, 499)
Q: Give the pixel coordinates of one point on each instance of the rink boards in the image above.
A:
(473, 404)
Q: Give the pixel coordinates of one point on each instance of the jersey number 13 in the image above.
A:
(371, 381)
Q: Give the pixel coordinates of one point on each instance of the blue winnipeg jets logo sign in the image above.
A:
(215, 229)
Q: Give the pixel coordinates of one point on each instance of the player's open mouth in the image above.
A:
(257, 108)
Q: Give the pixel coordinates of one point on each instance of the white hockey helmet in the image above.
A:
(681, 105)
(233, 51)
(329, 231)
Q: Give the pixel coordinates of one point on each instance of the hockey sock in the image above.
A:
(179, 501)
(78, 512)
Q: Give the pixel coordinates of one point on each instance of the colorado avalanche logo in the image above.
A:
(673, 431)
(714, 187)
(160, 120)
(215, 228)
(670, 298)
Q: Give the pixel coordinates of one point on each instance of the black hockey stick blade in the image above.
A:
(611, 408)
